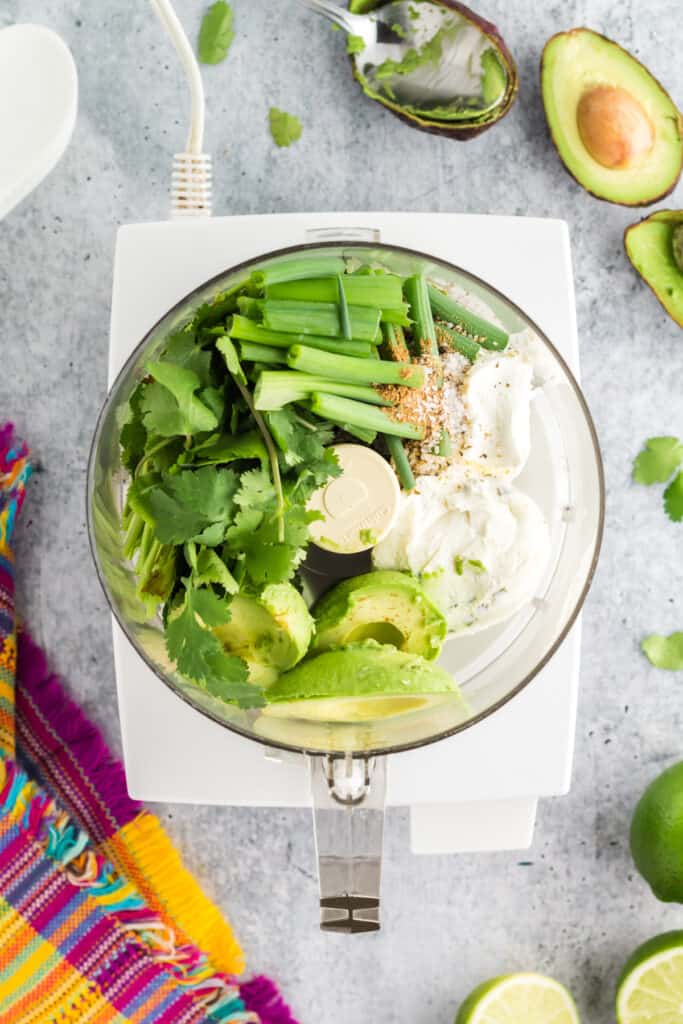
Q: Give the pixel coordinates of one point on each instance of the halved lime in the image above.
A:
(650, 989)
(519, 999)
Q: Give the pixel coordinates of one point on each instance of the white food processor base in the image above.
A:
(477, 790)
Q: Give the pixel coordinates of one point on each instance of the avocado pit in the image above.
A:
(614, 127)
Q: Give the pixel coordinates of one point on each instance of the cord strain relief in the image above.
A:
(191, 185)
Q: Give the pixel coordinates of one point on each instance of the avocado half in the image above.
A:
(470, 123)
(361, 682)
(387, 606)
(655, 248)
(616, 129)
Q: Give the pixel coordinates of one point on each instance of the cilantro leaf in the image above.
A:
(256, 489)
(245, 523)
(660, 457)
(354, 44)
(216, 33)
(133, 432)
(225, 448)
(299, 441)
(673, 499)
(232, 360)
(182, 349)
(664, 651)
(271, 563)
(210, 568)
(190, 506)
(191, 414)
(285, 128)
(198, 653)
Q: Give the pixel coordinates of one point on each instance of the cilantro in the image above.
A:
(216, 33)
(232, 361)
(458, 565)
(256, 489)
(210, 568)
(399, 30)
(285, 128)
(189, 506)
(367, 536)
(198, 653)
(133, 432)
(354, 44)
(186, 414)
(664, 651)
(673, 499)
(182, 349)
(223, 448)
(659, 459)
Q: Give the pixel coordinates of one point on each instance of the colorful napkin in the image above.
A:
(100, 922)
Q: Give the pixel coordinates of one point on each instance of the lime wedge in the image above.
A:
(651, 984)
(519, 999)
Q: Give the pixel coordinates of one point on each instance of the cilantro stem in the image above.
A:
(272, 457)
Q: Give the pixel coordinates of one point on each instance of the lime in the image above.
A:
(650, 989)
(657, 835)
(519, 999)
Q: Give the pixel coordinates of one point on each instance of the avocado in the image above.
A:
(360, 682)
(617, 131)
(390, 607)
(270, 630)
(655, 248)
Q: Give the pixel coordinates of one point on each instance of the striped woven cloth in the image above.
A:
(100, 922)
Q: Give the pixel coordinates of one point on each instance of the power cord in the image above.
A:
(192, 175)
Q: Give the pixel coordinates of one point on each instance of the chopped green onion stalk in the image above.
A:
(395, 343)
(379, 292)
(296, 269)
(467, 347)
(275, 389)
(343, 309)
(487, 334)
(318, 318)
(255, 353)
(249, 307)
(358, 414)
(400, 460)
(356, 371)
(445, 444)
(243, 329)
(424, 330)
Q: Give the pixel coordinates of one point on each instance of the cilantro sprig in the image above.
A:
(664, 651)
(285, 128)
(657, 463)
(216, 33)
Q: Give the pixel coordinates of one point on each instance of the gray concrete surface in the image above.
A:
(574, 908)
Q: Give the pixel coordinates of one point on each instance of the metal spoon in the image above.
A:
(446, 83)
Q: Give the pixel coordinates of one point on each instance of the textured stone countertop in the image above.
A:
(572, 905)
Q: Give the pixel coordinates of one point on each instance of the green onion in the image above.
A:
(343, 310)
(274, 389)
(395, 343)
(254, 353)
(357, 371)
(249, 307)
(358, 414)
(247, 330)
(379, 292)
(401, 464)
(296, 269)
(467, 347)
(318, 318)
(445, 444)
(424, 330)
(487, 334)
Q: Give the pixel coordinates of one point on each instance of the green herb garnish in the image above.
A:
(659, 459)
(285, 128)
(673, 499)
(354, 44)
(216, 33)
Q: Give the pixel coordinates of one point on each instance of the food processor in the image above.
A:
(347, 761)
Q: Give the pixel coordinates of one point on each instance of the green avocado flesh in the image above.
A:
(270, 631)
(575, 63)
(390, 607)
(360, 682)
(652, 247)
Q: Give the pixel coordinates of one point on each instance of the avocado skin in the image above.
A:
(383, 597)
(463, 131)
(635, 203)
(360, 670)
(673, 218)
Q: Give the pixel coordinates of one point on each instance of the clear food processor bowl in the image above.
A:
(564, 477)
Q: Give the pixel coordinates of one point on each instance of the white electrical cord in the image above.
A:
(191, 178)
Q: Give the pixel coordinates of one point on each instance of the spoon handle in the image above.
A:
(353, 23)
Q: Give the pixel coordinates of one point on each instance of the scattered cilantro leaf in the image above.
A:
(458, 565)
(673, 499)
(285, 128)
(216, 33)
(182, 384)
(659, 459)
(664, 651)
(190, 506)
(475, 564)
(354, 44)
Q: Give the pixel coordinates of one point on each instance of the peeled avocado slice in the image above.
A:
(616, 129)
(386, 606)
(655, 248)
(360, 683)
(271, 631)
